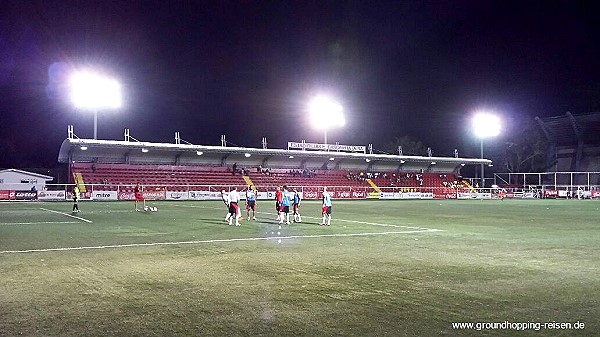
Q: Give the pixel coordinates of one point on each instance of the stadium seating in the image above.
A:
(178, 177)
(173, 176)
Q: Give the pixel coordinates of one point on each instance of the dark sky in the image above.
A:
(246, 69)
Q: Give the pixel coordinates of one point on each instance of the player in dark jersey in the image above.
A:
(296, 203)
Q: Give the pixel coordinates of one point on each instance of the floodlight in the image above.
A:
(325, 113)
(90, 91)
(485, 125)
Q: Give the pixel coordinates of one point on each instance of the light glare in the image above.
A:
(486, 125)
(92, 91)
(325, 113)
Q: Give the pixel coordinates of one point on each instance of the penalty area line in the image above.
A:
(69, 215)
(267, 238)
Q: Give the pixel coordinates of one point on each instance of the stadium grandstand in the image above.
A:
(181, 170)
(573, 142)
(572, 158)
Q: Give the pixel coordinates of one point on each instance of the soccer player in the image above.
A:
(278, 199)
(76, 195)
(296, 203)
(326, 208)
(139, 196)
(234, 209)
(251, 202)
(285, 206)
(225, 199)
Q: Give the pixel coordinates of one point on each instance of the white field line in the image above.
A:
(37, 223)
(110, 211)
(69, 215)
(154, 244)
(333, 219)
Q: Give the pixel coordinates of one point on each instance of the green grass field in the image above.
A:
(384, 268)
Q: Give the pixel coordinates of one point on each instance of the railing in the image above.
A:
(213, 192)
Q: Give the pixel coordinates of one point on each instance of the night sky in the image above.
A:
(247, 69)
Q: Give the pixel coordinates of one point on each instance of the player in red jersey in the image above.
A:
(278, 201)
(139, 196)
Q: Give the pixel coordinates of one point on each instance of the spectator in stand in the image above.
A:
(234, 168)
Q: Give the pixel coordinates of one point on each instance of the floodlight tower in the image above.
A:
(92, 92)
(325, 113)
(485, 125)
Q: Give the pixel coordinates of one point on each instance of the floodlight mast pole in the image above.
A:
(485, 125)
(95, 124)
(325, 113)
(482, 166)
(92, 92)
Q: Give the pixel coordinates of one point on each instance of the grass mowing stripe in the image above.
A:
(151, 244)
(69, 215)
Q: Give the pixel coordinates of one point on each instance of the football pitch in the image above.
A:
(383, 268)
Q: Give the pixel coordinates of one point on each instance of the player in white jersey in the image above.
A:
(234, 209)
(326, 208)
(251, 202)
(225, 198)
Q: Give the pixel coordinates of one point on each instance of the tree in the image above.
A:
(526, 151)
(409, 146)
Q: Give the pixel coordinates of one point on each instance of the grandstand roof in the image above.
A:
(566, 129)
(33, 174)
(113, 151)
